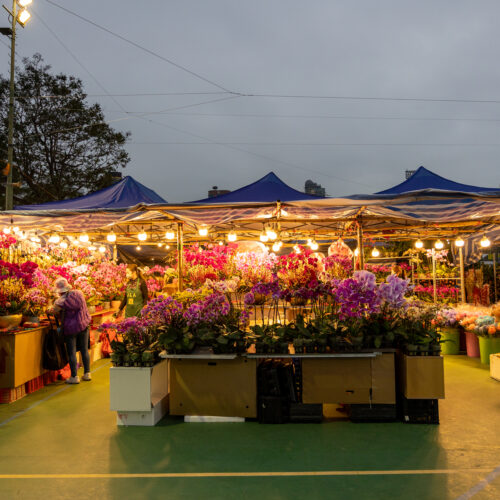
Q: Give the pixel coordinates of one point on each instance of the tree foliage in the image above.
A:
(62, 146)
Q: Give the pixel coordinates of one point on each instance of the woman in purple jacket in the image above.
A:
(75, 323)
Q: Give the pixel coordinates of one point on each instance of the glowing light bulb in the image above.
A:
(142, 236)
(276, 246)
(6, 230)
(167, 247)
(24, 3)
(170, 235)
(54, 238)
(23, 16)
(271, 234)
(296, 249)
(419, 244)
(375, 253)
(159, 245)
(63, 245)
(138, 248)
(264, 237)
(203, 231)
(232, 236)
(459, 242)
(485, 242)
(313, 245)
(102, 249)
(92, 248)
(111, 237)
(221, 243)
(439, 245)
(84, 238)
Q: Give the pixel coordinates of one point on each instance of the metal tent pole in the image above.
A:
(462, 274)
(360, 246)
(434, 276)
(180, 257)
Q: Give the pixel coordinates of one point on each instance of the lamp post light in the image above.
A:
(20, 16)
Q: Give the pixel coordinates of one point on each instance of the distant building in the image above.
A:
(314, 189)
(215, 191)
(409, 173)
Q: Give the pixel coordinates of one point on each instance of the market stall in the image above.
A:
(282, 306)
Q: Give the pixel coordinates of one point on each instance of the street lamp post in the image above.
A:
(18, 16)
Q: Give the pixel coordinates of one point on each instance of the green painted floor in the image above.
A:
(70, 430)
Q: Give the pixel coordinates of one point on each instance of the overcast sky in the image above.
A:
(424, 62)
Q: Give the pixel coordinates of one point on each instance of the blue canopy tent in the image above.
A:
(268, 188)
(425, 179)
(125, 193)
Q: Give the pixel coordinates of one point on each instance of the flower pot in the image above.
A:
(115, 304)
(30, 319)
(11, 321)
(472, 344)
(451, 338)
(495, 345)
(485, 349)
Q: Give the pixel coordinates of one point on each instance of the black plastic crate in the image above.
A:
(361, 413)
(306, 413)
(420, 411)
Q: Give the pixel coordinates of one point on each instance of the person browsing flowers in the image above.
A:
(136, 293)
(72, 307)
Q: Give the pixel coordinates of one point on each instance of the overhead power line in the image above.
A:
(316, 144)
(141, 47)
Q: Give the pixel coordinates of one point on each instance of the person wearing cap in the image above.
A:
(75, 323)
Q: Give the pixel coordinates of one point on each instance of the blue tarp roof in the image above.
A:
(268, 188)
(425, 179)
(125, 193)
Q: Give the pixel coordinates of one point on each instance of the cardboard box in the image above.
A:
(21, 357)
(495, 366)
(336, 380)
(421, 377)
(349, 380)
(216, 387)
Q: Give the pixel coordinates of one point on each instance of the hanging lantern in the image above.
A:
(102, 249)
(375, 253)
(439, 245)
(63, 245)
(277, 246)
(203, 231)
(84, 238)
(264, 237)
(142, 236)
(232, 236)
(459, 242)
(313, 245)
(170, 235)
(419, 244)
(111, 237)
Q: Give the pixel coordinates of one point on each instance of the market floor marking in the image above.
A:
(34, 405)
(481, 485)
(180, 475)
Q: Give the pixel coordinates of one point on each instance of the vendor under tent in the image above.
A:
(125, 193)
(268, 188)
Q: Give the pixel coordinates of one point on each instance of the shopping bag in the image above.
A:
(55, 356)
